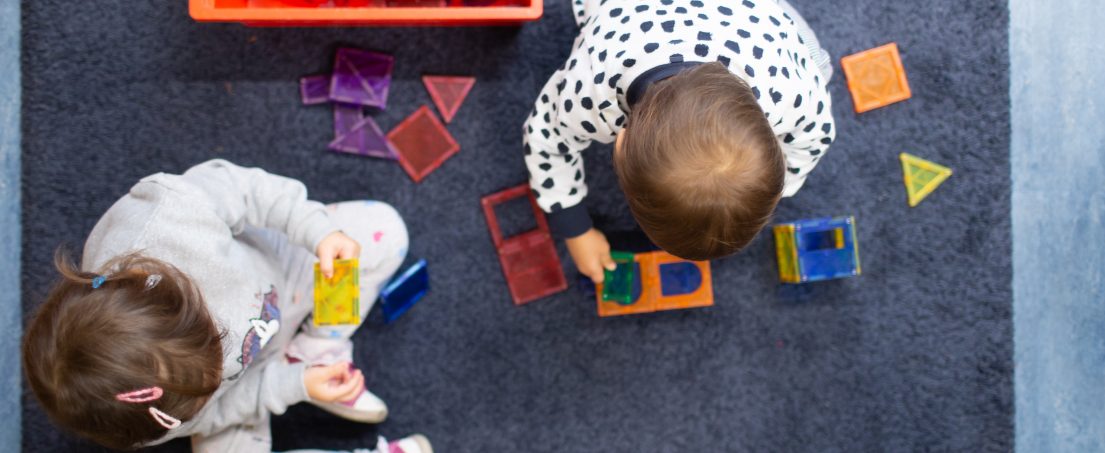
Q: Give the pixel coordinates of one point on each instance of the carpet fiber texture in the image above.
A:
(914, 354)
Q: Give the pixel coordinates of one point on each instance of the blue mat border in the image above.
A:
(11, 326)
(1056, 159)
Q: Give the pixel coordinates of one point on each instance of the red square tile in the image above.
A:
(423, 143)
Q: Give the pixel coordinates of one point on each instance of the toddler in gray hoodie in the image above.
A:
(189, 314)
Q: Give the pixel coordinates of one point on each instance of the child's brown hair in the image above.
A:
(699, 164)
(94, 339)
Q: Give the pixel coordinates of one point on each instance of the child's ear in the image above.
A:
(618, 140)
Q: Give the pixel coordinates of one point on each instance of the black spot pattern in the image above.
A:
(759, 43)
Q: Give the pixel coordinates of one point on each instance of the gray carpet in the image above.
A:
(915, 354)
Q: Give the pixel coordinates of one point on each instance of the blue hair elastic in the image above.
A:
(99, 280)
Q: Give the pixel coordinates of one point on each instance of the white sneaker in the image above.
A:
(367, 408)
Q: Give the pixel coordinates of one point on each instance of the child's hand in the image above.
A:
(335, 245)
(335, 383)
(591, 253)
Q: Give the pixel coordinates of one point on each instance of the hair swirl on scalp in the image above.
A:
(86, 345)
(699, 164)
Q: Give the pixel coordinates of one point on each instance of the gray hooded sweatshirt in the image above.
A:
(204, 223)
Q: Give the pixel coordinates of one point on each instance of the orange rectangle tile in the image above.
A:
(652, 296)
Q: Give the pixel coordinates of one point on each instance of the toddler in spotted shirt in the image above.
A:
(717, 109)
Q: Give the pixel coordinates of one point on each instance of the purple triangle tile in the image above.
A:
(365, 139)
(361, 77)
(346, 118)
(314, 89)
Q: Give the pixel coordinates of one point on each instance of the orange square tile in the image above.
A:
(876, 77)
(671, 293)
(646, 301)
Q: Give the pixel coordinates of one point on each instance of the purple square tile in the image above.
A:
(361, 77)
(346, 118)
(365, 139)
(314, 89)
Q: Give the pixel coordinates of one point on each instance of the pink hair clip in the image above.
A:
(141, 396)
(146, 395)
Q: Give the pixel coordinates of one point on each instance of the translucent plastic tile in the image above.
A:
(346, 117)
(361, 77)
(876, 77)
(337, 299)
(677, 279)
(422, 143)
(618, 283)
(662, 281)
(404, 291)
(448, 93)
(314, 89)
(921, 177)
(530, 263)
(365, 139)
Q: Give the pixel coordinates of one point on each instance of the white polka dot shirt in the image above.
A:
(586, 99)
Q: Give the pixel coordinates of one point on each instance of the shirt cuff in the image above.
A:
(569, 222)
(294, 386)
(318, 227)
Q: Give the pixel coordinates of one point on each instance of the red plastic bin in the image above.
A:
(285, 13)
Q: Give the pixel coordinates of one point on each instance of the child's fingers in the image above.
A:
(326, 261)
(350, 249)
(594, 270)
(337, 371)
(608, 261)
(352, 388)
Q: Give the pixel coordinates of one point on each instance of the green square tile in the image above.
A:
(618, 283)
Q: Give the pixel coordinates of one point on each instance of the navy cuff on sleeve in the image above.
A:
(569, 222)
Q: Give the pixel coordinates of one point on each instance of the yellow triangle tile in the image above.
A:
(921, 177)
